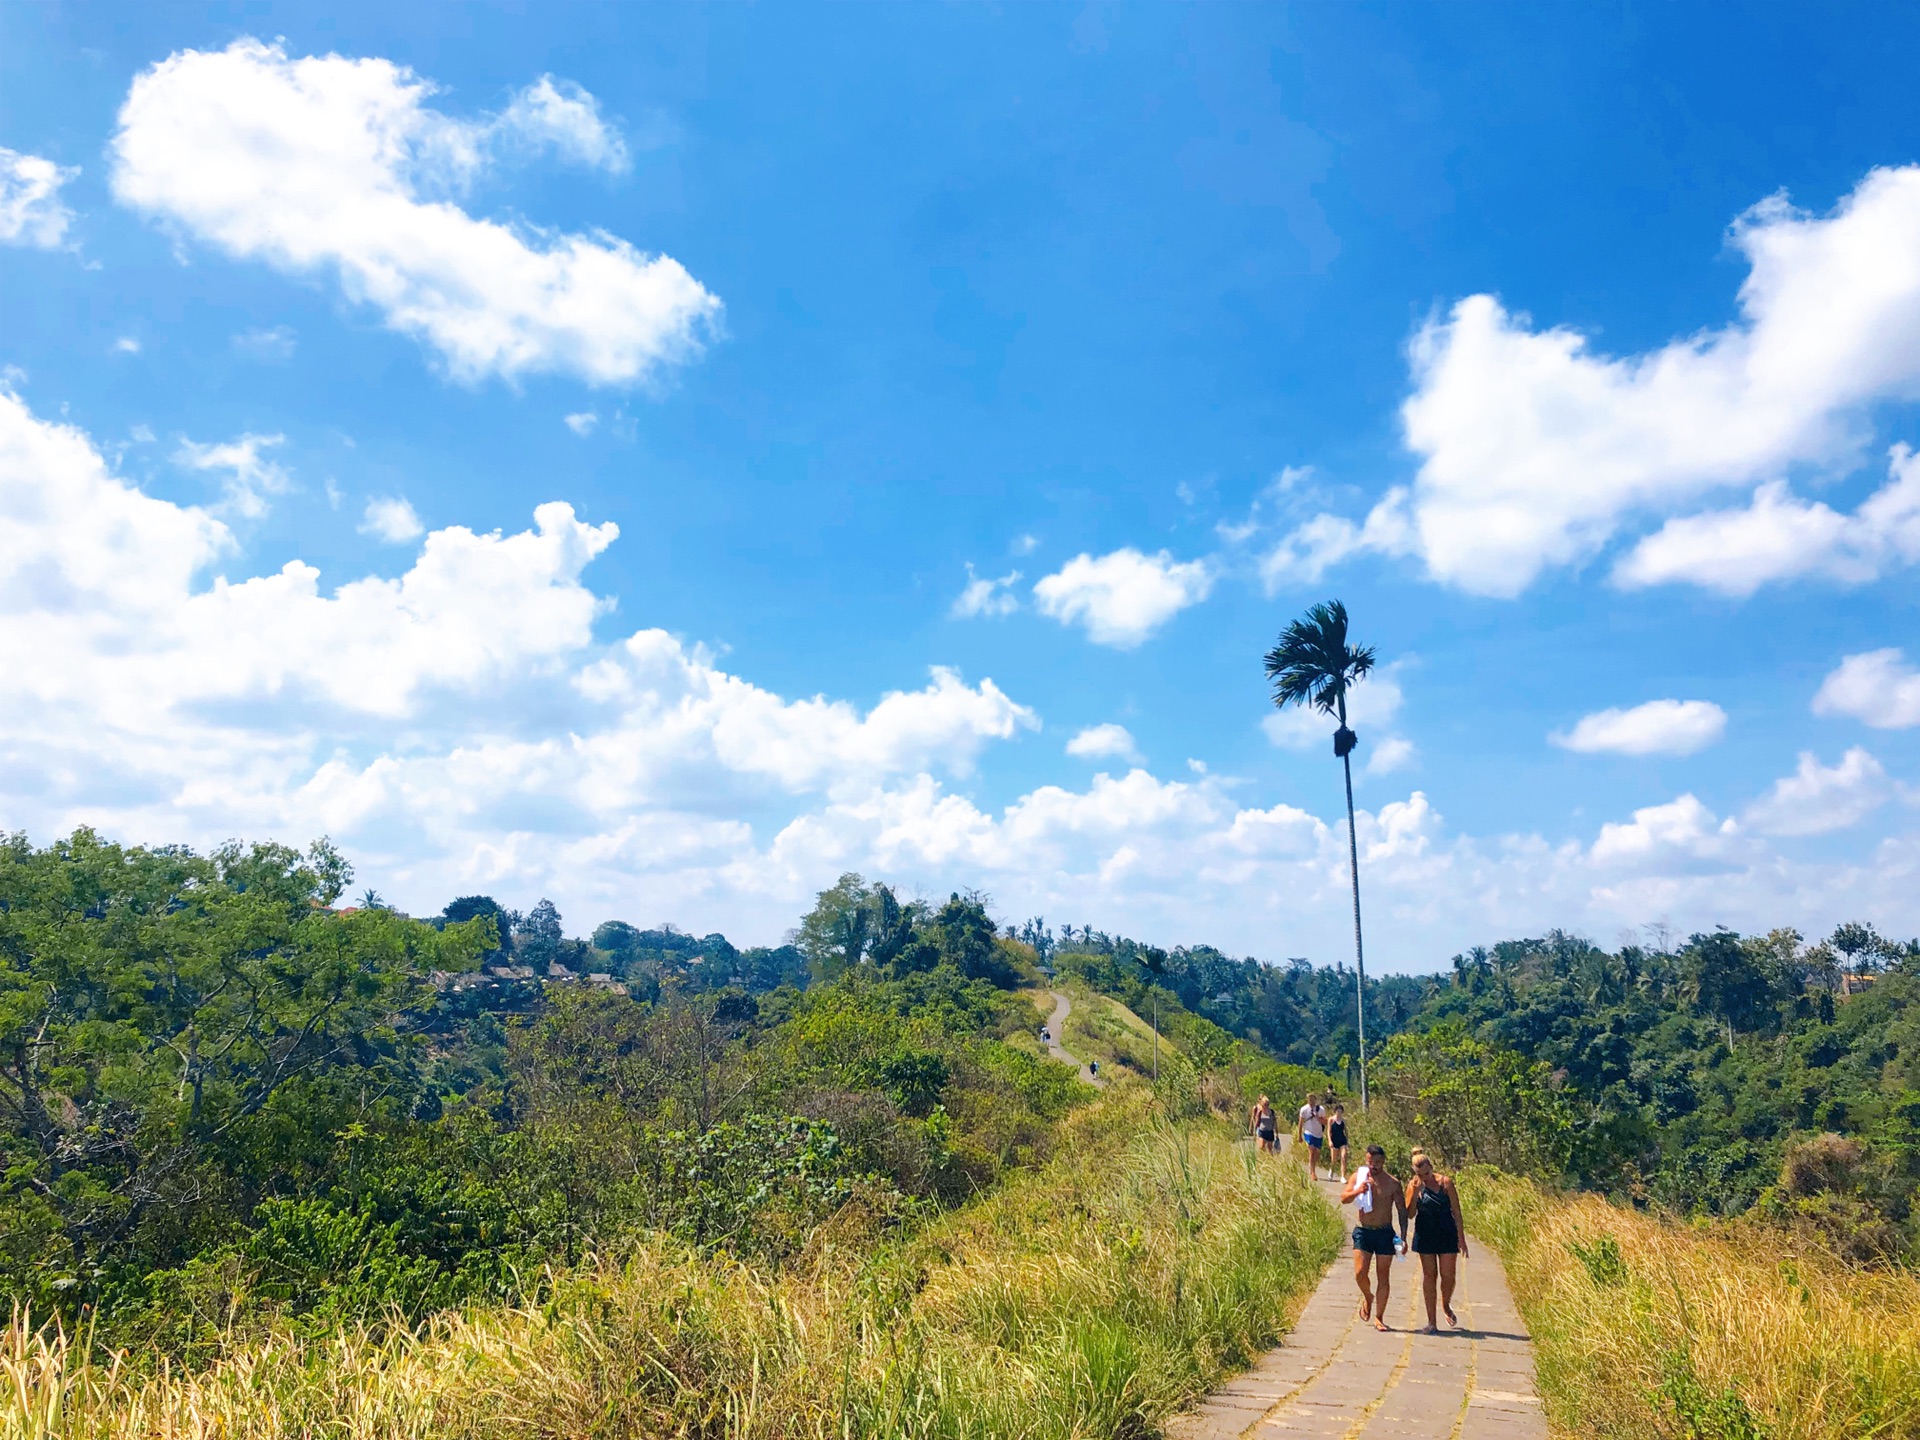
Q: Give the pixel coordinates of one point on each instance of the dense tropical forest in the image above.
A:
(241, 1111)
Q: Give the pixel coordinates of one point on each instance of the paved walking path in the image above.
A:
(1337, 1378)
(1063, 1007)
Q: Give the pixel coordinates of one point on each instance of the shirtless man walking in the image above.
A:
(1380, 1197)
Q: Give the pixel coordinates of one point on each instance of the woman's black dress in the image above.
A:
(1434, 1232)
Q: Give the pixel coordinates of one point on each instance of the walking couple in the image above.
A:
(1439, 1237)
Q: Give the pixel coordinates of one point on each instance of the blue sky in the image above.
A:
(1568, 348)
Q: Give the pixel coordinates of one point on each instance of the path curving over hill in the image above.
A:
(1337, 1378)
(1063, 1007)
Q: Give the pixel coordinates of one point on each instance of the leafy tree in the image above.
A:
(1471, 1101)
(616, 937)
(1862, 947)
(483, 907)
(1314, 665)
(1723, 977)
(538, 939)
(173, 1026)
(833, 935)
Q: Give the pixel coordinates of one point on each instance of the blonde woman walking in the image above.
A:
(1439, 1235)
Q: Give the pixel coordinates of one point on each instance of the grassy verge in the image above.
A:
(1648, 1327)
(1089, 1298)
(1101, 1029)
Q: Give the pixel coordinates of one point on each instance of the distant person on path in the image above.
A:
(1337, 1141)
(1312, 1128)
(1439, 1234)
(1378, 1197)
(1265, 1125)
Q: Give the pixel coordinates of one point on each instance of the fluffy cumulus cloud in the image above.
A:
(479, 722)
(1817, 798)
(1659, 727)
(1879, 688)
(391, 518)
(1104, 742)
(332, 166)
(31, 212)
(1536, 450)
(1122, 598)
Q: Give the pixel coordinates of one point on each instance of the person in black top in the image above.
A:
(1439, 1235)
(1337, 1140)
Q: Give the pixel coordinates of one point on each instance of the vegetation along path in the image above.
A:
(1337, 1378)
(1063, 1007)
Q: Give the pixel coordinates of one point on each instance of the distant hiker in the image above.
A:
(1439, 1234)
(1337, 1140)
(1312, 1128)
(1379, 1196)
(1265, 1125)
(1094, 1069)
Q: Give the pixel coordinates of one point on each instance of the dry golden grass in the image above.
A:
(1649, 1327)
(1087, 1299)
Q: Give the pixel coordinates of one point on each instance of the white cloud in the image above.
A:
(582, 422)
(330, 165)
(1879, 688)
(150, 697)
(250, 476)
(271, 344)
(126, 345)
(1781, 537)
(1393, 753)
(1025, 545)
(392, 519)
(30, 208)
(1659, 727)
(1815, 799)
(1676, 836)
(1312, 548)
(1535, 450)
(1123, 597)
(1104, 742)
(985, 595)
(558, 113)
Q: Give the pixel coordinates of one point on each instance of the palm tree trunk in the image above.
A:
(1359, 953)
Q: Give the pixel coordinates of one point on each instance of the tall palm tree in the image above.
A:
(1313, 665)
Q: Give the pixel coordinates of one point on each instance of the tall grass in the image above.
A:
(1645, 1326)
(1090, 1298)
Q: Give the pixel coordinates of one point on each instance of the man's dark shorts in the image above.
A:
(1372, 1241)
(1313, 1142)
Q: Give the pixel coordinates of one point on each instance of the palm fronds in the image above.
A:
(1313, 664)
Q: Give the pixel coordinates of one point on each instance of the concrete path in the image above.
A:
(1063, 1007)
(1337, 1378)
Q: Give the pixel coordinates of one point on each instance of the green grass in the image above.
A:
(1651, 1327)
(1089, 1298)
